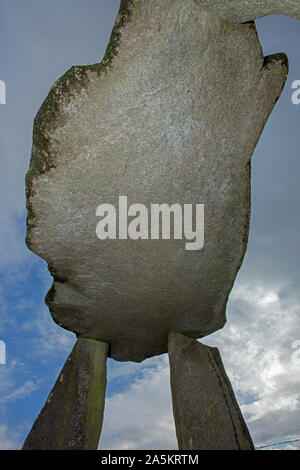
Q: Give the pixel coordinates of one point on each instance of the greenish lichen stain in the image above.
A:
(124, 14)
(96, 394)
(70, 397)
(51, 115)
(84, 378)
(94, 355)
(278, 64)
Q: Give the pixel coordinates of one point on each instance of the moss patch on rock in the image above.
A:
(51, 115)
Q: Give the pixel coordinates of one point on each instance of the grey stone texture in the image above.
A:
(171, 115)
(72, 416)
(248, 10)
(207, 415)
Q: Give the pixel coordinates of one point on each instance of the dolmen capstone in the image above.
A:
(168, 121)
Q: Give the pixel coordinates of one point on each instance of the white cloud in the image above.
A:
(121, 369)
(12, 387)
(141, 417)
(49, 339)
(12, 241)
(21, 392)
(9, 440)
(256, 347)
(293, 446)
(256, 350)
(7, 381)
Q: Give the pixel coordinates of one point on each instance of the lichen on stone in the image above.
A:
(51, 114)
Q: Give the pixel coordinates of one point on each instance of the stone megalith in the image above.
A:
(207, 415)
(171, 115)
(72, 416)
(248, 10)
(170, 119)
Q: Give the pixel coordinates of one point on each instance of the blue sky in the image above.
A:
(39, 41)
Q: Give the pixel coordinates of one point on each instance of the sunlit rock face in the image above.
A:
(249, 10)
(172, 115)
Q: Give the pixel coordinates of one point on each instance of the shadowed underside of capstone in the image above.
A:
(171, 115)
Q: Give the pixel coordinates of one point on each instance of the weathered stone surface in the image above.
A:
(171, 115)
(249, 10)
(72, 416)
(207, 415)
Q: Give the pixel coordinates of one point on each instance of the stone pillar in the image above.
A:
(72, 416)
(207, 415)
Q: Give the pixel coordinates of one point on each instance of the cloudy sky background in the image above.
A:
(39, 41)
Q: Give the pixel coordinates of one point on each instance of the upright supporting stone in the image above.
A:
(207, 415)
(72, 416)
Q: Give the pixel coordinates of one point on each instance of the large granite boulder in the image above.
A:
(248, 10)
(171, 115)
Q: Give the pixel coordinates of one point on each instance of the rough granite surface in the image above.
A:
(72, 416)
(171, 115)
(207, 415)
